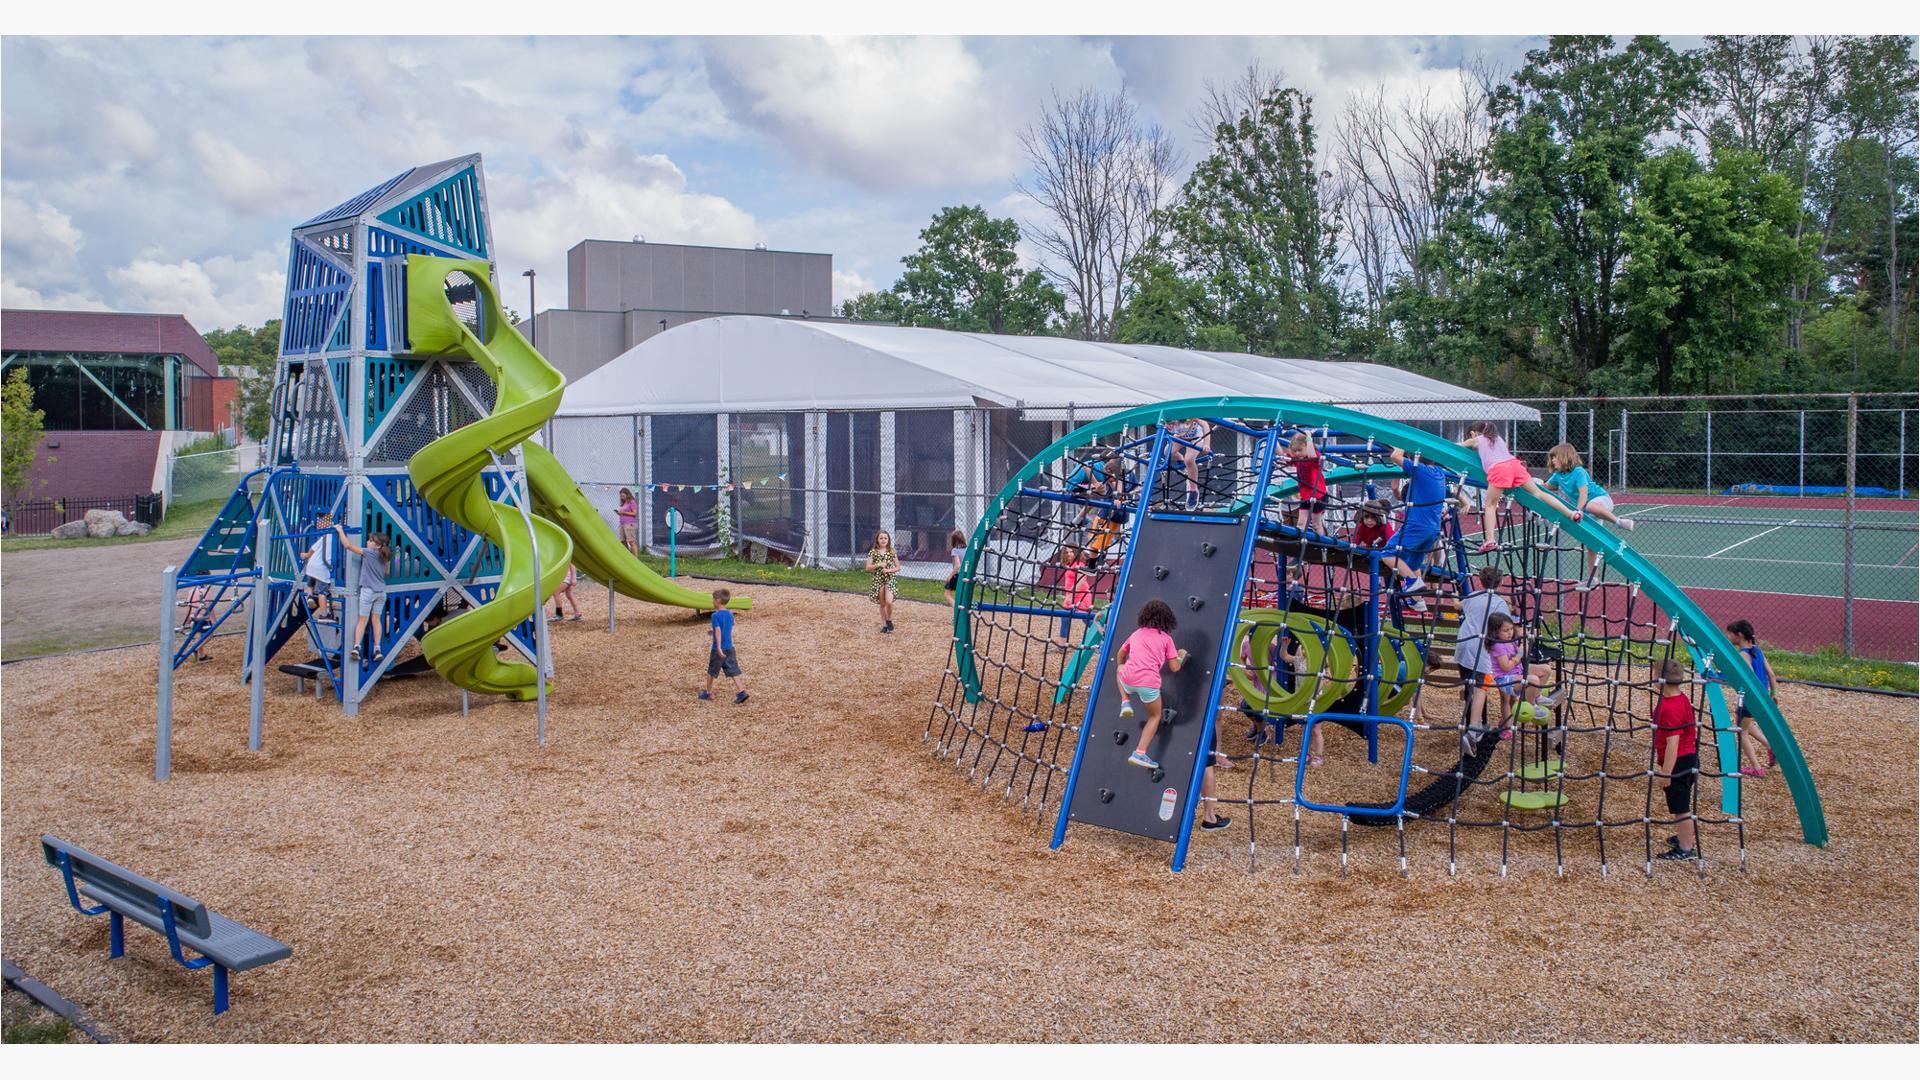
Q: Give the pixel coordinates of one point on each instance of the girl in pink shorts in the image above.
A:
(1504, 473)
(1148, 649)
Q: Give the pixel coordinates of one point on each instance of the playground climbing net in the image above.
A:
(1560, 770)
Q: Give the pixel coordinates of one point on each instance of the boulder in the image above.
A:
(102, 523)
(72, 530)
(133, 528)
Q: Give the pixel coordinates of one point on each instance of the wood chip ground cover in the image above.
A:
(802, 868)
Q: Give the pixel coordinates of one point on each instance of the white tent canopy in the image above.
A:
(751, 363)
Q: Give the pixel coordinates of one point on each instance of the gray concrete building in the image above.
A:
(620, 293)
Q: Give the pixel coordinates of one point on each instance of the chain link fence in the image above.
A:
(1794, 513)
(208, 476)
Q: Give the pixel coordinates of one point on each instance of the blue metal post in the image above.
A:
(163, 716)
(219, 989)
(1370, 650)
(1113, 634)
(1226, 658)
(116, 935)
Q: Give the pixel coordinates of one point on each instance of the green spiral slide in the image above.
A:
(447, 473)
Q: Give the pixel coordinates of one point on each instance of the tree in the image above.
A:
(1572, 130)
(966, 276)
(21, 426)
(1250, 227)
(1162, 309)
(1101, 174)
(883, 307)
(1711, 257)
(254, 350)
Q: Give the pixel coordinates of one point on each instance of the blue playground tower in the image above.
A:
(348, 414)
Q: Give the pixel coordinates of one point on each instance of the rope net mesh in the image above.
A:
(1557, 770)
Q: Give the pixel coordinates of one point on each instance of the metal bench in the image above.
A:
(121, 894)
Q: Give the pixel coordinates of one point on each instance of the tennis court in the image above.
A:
(1778, 561)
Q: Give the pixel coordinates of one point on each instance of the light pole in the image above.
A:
(533, 308)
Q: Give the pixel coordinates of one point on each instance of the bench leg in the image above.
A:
(116, 934)
(219, 989)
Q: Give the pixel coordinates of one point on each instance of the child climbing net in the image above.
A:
(1369, 633)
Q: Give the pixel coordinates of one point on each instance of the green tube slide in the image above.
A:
(447, 473)
(1708, 644)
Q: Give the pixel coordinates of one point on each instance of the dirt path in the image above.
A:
(802, 868)
(42, 611)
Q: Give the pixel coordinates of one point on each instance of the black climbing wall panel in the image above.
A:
(1111, 793)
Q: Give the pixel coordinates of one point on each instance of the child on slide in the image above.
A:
(1570, 478)
(1752, 739)
(1504, 473)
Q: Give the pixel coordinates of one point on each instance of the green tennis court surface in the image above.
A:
(1787, 551)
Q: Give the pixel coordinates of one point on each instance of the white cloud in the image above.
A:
(15, 295)
(221, 291)
(848, 284)
(37, 233)
(893, 113)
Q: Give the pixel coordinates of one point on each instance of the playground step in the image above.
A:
(1533, 800)
(1541, 770)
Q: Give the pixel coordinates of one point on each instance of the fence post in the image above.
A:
(1901, 484)
(1563, 420)
(1846, 535)
(1709, 490)
(1591, 417)
(1803, 453)
(1623, 448)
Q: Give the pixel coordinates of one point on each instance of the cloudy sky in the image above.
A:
(162, 174)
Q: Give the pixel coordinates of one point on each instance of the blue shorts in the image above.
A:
(1144, 693)
(1413, 546)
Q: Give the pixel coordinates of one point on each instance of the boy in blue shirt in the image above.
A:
(1426, 498)
(720, 655)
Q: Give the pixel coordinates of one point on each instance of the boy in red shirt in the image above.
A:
(1310, 471)
(1676, 758)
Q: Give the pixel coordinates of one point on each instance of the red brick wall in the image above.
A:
(226, 392)
(94, 464)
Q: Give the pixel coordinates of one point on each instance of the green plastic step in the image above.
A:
(1533, 800)
(1540, 770)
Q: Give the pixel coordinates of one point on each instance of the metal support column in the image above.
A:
(1623, 449)
(257, 609)
(163, 717)
(1563, 420)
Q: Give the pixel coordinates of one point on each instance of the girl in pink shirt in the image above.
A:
(1504, 473)
(1141, 657)
(1076, 588)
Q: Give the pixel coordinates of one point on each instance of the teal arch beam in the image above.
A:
(1703, 637)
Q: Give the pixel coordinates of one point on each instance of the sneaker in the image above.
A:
(1126, 708)
(1487, 548)
(705, 696)
(1506, 734)
(1416, 604)
(740, 698)
(1193, 501)
(1140, 758)
(1222, 761)
(1677, 854)
(1673, 843)
(887, 629)
(1036, 726)
(1629, 524)
(1216, 824)
(1757, 774)
(353, 655)
(573, 618)
(1416, 588)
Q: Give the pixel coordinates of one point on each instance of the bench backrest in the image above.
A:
(109, 879)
